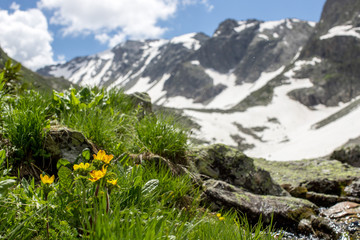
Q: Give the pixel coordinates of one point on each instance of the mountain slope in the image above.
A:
(35, 80)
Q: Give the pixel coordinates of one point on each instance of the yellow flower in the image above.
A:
(113, 182)
(218, 215)
(101, 155)
(81, 166)
(97, 174)
(46, 179)
(221, 218)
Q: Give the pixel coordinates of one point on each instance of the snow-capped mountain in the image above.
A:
(283, 90)
(197, 70)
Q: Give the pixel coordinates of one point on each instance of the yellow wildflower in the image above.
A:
(81, 166)
(101, 155)
(46, 179)
(220, 217)
(113, 182)
(97, 174)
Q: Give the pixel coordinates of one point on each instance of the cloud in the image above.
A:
(206, 3)
(24, 36)
(113, 21)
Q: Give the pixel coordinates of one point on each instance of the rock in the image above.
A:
(332, 175)
(349, 154)
(143, 100)
(287, 211)
(344, 218)
(232, 166)
(65, 143)
(327, 200)
(353, 189)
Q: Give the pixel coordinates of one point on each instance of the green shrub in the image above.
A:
(25, 123)
(161, 135)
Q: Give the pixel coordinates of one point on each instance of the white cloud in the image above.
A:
(113, 21)
(206, 3)
(24, 36)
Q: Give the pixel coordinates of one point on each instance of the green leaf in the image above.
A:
(86, 154)
(62, 162)
(150, 186)
(65, 178)
(74, 100)
(5, 185)
(2, 156)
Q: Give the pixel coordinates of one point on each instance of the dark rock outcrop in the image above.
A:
(348, 154)
(224, 163)
(336, 77)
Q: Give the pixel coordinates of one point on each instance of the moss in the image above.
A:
(242, 197)
(301, 213)
(297, 172)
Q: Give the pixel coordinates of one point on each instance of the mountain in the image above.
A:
(283, 90)
(34, 80)
(193, 68)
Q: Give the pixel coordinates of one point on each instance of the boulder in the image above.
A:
(317, 175)
(344, 219)
(61, 142)
(348, 154)
(353, 189)
(224, 163)
(286, 211)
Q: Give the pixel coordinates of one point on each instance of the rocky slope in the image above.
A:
(282, 90)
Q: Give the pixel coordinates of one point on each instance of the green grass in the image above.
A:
(25, 123)
(162, 135)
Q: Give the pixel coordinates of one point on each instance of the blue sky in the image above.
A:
(42, 32)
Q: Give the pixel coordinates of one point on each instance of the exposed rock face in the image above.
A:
(336, 77)
(232, 166)
(286, 211)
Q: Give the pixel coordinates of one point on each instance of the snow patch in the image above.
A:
(233, 93)
(270, 25)
(187, 40)
(287, 133)
(195, 62)
(243, 25)
(345, 30)
(263, 36)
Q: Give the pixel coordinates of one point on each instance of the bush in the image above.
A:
(161, 135)
(25, 123)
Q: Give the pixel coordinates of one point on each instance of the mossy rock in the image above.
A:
(286, 211)
(299, 173)
(225, 163)
(61, 142)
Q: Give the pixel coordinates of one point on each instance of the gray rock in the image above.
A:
(349, 154)
(353, 189)
(143, 100)
(286, 211)
(65, 143)
(225, 163)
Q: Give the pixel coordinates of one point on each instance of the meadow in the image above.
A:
(107, 194)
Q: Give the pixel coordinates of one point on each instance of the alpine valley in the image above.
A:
(282, 90)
